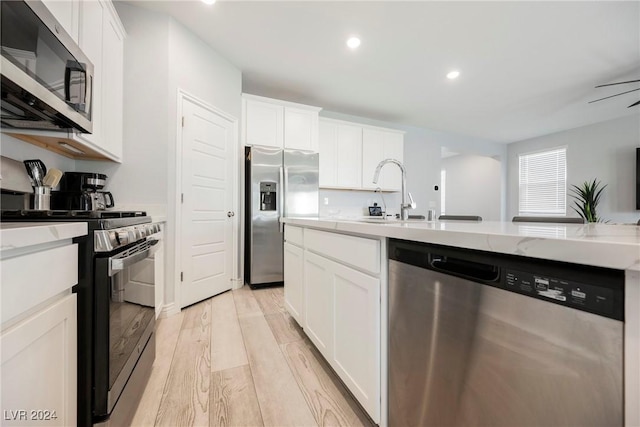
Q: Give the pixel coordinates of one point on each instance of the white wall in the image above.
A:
(141, 180)
(473, 186)
(605, 151)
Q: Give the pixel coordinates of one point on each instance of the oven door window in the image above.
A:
(128, 323)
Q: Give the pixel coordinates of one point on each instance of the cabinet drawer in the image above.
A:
(294, 235)
(31, 279)
(358, 252)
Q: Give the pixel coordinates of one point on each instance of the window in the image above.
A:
(443, 178)
(543, 183)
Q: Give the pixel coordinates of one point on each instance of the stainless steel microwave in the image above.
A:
(47, 81)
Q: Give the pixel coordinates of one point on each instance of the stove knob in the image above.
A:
(113, 239)
(123, 237)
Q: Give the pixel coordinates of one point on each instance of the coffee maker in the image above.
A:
(80, 191)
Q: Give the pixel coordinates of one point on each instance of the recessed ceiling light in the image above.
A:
(209, 2)
(453, 74)
(353, 42)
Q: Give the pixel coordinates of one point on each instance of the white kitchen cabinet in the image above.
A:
(38, 342)
(66, 13)
(340, 147)
(112, 83)
(350, 152)
(378, 145)
(318, 307)
(294, 281)
(294, 273)
(263, 123)
(341, 289)
(280, 124)
(301, 129)
(39, 360)
(356, 320)
(90, 41)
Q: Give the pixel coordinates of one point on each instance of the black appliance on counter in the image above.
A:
(110, 382)
(80, 191)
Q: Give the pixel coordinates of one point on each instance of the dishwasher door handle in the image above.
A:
(464, 268)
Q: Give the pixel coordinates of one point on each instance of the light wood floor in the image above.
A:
(239, 359)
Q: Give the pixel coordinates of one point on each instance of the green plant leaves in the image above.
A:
(587, 197)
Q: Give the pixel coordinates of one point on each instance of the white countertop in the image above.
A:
(22, 234)
(602, 245)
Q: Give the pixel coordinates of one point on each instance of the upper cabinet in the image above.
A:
(102, 40)
(281, 124)
(96, 27)
(66, 13)
(340, 147)
(350, 153)
(378, 145)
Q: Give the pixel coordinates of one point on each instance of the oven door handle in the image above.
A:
(137, 254)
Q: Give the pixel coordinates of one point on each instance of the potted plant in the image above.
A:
(587, 198)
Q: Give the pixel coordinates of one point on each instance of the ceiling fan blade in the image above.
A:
(634, 104)
(617, 94)
(619, 83)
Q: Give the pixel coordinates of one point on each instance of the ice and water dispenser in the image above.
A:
(268, 196)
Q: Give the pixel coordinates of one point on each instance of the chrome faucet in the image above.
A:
(404, 206)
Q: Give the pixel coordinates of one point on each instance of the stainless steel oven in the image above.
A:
(124, 337)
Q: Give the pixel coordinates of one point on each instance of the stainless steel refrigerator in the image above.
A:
(278, 183)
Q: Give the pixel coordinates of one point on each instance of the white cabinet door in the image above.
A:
(378, 145)
(327, 147)
(356, 350)
(349, 156)
(90, 41)
(340, 147)
(318, 297)
(300, 129)
(263, 123)
(294, 281)
(66, 13)
(112, 84)
(39, 368)
(372, 154)
(393, 148)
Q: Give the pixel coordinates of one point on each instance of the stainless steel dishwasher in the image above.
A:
(483, 339)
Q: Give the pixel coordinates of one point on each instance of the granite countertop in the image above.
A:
(15, 235)
(602, 245)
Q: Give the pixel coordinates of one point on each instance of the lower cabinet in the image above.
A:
(356, 340)
(39, 367)
(293, 278)
(318, 295)
(341, 307)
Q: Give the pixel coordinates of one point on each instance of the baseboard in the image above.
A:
(169, 310)
(237, 283)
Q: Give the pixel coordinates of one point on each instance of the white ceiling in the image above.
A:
(527, 68)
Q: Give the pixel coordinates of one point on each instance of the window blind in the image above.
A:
(543, 183)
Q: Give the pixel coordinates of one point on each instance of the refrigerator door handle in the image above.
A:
(281, 190)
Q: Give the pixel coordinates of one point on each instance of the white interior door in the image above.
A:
(207, 188)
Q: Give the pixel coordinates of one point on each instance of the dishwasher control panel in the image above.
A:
(582, 296)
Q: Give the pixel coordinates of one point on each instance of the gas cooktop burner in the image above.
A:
(64, 214)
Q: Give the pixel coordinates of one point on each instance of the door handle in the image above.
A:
(231, 213)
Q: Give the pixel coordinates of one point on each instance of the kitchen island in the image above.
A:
(601, 245)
